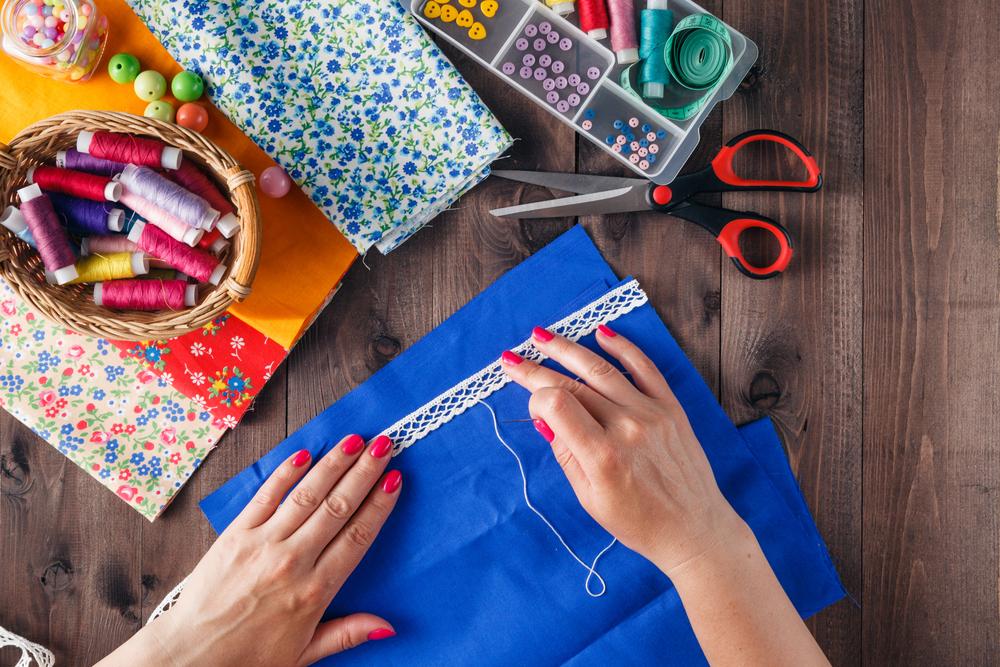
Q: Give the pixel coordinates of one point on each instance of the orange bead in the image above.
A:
(192, 116)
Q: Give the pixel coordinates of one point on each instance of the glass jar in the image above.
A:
(60, 39)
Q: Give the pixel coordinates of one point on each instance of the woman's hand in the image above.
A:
(258, 595)
(627, 449)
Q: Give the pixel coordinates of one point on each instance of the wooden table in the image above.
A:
(876, 355)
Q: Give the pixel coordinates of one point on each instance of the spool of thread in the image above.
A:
(74, 159)
(561, 7)
(656, 23)
(194, 179)
(152, 213)
(75, 183)
(213, 241)
(106, 244)
(196, 263)
(162, 274)
(128, 149)
(113, 266)
(50, 237)
(84, 217)
(623, 40)
(594, 18)
(168, 196)
(12, 219)
(149, 295)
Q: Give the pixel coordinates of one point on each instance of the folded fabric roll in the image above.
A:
(464, 570)
(351, 98)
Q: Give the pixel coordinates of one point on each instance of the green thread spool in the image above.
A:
(656, 24)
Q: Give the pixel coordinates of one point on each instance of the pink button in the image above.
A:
(549, 84)
(587, 125)
(583, 88)
(531, 30)
(553, 37)
(528, 60)
(540, 74)
(654, 149)
(593, 73)
(540, 44)
(643, 152)
(633, 158)
(544, 27)
(651, 136)
(574, 80)
(620, 140)
(508, 68)
(633, 122)
(565, 43)
(560, 82)
(563, 106)
(545, 60)
(521, 44)
(634, 145)
(573, 99)
(552, 97)
(643, 164)
(616, 148)
(558, 66)
(525, 72)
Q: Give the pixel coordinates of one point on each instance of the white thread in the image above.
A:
(452, 403)
(169, 601)
(592, 568)
(30, 651)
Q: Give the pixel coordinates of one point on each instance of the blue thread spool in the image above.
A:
(656, 24)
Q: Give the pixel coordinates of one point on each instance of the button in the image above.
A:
(544, 27)
(531, 30)
(593, 73)
(565, 43)
(558, 66)
(528, 60)
(521, 44)
(545, 60)
(574, 80)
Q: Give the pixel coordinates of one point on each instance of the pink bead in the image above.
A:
(565, 43)
(654, 149)
(531, 30)
(274, 182)
(85, 9)
(528, 60)
(558, 66)
(563, 106)
(552, 97)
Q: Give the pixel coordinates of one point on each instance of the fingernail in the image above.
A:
(511, 358)
(380, 633)
(353, 445)
(381, 446)
(542, 335)
(544, 429)
(392, 481)
(301, 458)
(606, 330)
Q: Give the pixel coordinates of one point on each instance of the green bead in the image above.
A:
(123, 68)
(187, 86)
(160, 110)
(150, 85)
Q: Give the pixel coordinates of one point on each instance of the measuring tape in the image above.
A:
(699, 56)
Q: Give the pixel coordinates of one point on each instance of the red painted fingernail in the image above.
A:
(606, 330)
(381, 633)
(544, 429)
(542, 335)
(381, 446)
(301, 458)
(353, 445)
(392, 481)
(511, 358)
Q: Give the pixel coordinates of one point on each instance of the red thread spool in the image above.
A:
(147, 295)
(594, 18)
(213, 242)
(130, 150)
(50, 237)
(196, 263)
(191, 177)
(76, 183)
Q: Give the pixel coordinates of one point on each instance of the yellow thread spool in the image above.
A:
(113, 266)
(561, 7)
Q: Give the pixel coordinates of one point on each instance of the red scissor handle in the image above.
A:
(722, 165)
(729, 239)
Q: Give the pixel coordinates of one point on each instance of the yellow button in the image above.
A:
(432, 9)
(448, 13)
(468, 3)
(477, 31)
(489, 8)
(464, 19)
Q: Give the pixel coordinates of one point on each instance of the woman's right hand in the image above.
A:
(627, 449)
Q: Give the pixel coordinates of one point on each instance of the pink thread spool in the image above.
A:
(53, 244)
(106, 244)
(624, 42)
(147, 295)
(170, 197)
(162, 219)
(196, 263)
(129, 149)
(191, 177)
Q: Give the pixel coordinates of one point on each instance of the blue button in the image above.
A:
(610, 140)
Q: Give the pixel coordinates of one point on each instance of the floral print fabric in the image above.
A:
(351, 98)
(127, 427)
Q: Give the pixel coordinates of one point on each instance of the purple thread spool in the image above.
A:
(552, 37)
(552, 97)
(562, 106)
(53, 244)
(521, 44)
(169, 196)
(84, 217)
(531, 30)
(74, 159)
(539, 44)
(545, 60)
(593, 73)
(561, 82)
(508, 69)
(558, 66)
(565, 43)
(623, 39)
(528, 60)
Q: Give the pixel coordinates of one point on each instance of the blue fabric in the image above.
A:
(463, 570)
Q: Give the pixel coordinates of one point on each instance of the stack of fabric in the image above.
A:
(365, 114)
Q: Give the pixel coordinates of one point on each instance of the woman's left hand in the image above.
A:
(258, 595)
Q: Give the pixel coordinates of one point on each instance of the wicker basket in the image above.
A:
(72, 305)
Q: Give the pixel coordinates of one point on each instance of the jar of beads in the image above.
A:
(61, 39)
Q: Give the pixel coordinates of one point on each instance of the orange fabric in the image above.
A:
(303, 255)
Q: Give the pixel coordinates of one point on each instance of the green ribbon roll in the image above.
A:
(698, 55)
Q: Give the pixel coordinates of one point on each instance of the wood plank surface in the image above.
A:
(875, 354)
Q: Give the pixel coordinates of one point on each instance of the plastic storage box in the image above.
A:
(575, 78)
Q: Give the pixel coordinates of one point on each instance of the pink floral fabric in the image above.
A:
(108, 413)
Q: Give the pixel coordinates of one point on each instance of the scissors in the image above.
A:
(598, 195)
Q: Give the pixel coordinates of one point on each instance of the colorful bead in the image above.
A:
(123, 68)
(549, 84)
(192, 116)
(274, 182)
(160, 110)
(150, 85)
(651, 137)
(618, 124)
(540, 74)
(561, 82)
(573, 99)
(525, 73)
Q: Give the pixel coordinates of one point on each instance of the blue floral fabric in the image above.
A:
(351, 98)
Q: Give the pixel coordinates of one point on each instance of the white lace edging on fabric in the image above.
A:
(167, 602)
(31, 653)
(452, 403)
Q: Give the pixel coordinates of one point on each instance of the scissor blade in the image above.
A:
(578, 183)
(622, 200)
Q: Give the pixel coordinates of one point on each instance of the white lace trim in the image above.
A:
(445, 407)
(31, 653)
(169, 601)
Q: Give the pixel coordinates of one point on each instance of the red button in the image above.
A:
(662, 195)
